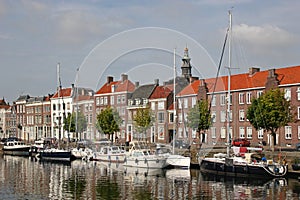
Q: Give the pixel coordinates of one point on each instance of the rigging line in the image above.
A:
(219, 66)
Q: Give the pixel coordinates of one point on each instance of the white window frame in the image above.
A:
(213, 132)
(223, 132)
(194, 101)
(288, 132)
(287, 94)
(185, 102)
(161, 105)
(213, 100)
(241, 98)
(241, 115)
(298, 93)
(260, 134)
(214, 116)
(249, 132)
(222, 115)
(248, 97)
(223, 99)
(242, 132)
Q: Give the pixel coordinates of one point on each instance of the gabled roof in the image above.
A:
(143, 91)
(3, 104)
(106, 88)
(160, 92)
(65, 92)
(124, 86)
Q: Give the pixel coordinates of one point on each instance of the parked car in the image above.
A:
(241, 142)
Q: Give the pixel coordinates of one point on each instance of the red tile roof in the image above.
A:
(106, 88)
(288, 75)
(160, 92)
(65, 92)
(120, 86)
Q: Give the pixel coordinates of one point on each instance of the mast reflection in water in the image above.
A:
(24, 178)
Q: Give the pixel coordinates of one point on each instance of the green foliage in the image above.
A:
(143, 119)
(270, 111)
(70, 122)
(108, 121)
(199, 116)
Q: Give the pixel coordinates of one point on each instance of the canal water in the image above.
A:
(26, 178)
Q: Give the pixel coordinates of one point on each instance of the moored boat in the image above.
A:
(110, 153)
(16, 147)
(53, 154)
(141, 156)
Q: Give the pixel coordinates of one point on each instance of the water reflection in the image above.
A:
(24, 178)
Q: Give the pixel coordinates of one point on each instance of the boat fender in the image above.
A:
(157, 161)
(145, 160)
(125, 160)
(136, 161)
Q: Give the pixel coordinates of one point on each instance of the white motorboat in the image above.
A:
(111, 153)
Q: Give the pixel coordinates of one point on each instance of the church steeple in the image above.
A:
(186, 68)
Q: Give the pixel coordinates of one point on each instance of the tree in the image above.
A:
(199, 117)
(270, 112)
(75, 121)
(108, 122)
(143, 120)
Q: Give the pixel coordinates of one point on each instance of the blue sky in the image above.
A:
(103, 38)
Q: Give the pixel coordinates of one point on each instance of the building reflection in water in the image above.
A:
(23, 178)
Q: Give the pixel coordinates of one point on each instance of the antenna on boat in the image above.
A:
(174, 101)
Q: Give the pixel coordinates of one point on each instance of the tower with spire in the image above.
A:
(186, 67)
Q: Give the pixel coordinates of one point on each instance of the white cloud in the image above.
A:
(266, 35)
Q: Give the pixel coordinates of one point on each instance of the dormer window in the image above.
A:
(145, 101)
(130, 102)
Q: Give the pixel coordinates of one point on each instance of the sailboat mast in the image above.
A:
(229, 77)
(174, 100)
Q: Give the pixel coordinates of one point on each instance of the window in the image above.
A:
(222, 99)
(260, 134)
(180, 117)
(248, 97)
(287, 93)
(123, 98)
(152, 105)
(223, 132)
(213, 116)
(194, 101)
(185, 102)
(298, 132)
(137, 101)
(112, 100)
(288, 132)
(145, 101)
(213, 132)
(161, 105)
(213, 100)
(171, 117)
(223, 116)
(105, 101)
(180, 132)
(298, 112)
(242, 132)
(259, 93)
(101, 100)
(179, 104)
(97, 101)
(161, 117)
(242, 115)
(298, 93)
(249, 132)
(241, 98)
(118, 99)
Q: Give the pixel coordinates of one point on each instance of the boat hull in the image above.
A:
(239, 170)
(116, 158)
(18, 151)
(178, 161)
(146, 162)
(56, 155)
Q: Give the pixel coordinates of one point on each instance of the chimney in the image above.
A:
(124, 77)
(110, 79)
(137, 84)
(156, 81)
(253, 70)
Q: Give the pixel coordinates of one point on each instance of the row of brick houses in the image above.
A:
(32, 118)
